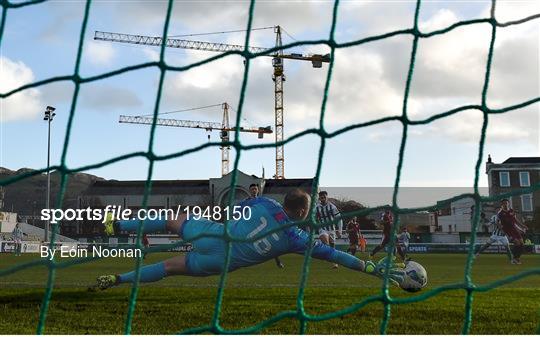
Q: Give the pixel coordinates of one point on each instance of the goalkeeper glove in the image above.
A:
(396, 274)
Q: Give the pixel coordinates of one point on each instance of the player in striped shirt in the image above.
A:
(17, 235)
(497, 236)
(327, 211)
(403, 244)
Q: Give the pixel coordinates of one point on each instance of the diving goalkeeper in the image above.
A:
(208, 254)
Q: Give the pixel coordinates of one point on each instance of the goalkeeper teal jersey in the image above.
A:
(208, 254)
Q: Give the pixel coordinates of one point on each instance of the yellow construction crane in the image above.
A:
(223, 127)
(277, 62)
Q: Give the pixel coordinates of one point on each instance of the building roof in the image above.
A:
(137, 187)
(522, 160)
(276, 186)
(172, 187)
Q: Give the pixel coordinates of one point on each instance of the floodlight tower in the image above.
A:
(48, 117)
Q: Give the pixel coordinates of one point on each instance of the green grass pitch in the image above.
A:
(257, 293)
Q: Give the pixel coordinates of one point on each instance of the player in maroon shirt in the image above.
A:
(146, 244)
(387, 220)
(510, 224)
(353, 229)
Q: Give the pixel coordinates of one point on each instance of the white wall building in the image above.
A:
(8, 221)
(460, 218)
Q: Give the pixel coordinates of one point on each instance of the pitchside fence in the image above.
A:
(34, 247)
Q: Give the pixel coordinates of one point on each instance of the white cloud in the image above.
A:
(450, 72)
(151, 53)
(452, 64)
(105, 97)
(360, 89)
(515, 69)
(22, 105)
(442, 19)
(369, 80)
(211, 83)
(59, 29)
(359, 19)
(99, 53)
(208, 16)
(514, 10)
(518, 127)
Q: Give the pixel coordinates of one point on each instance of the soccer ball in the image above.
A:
(415, 277)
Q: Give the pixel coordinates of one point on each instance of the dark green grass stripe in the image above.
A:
(470, 257)
(63, 182)
(148, 185)
(385, 292)
(223, 278)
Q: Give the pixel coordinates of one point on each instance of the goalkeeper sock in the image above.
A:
(347, 260)
(150, 226)
(150, 273)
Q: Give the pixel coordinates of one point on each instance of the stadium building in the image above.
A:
(457, 217)
(515, 173)
(173, 193)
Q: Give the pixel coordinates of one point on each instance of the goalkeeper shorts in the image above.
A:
(207, 256)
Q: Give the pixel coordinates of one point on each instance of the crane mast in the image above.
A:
(224, 135)
(278, 77)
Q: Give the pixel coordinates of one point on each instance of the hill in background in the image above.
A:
(27, 196)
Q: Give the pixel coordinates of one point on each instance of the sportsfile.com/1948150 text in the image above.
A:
(216, 213)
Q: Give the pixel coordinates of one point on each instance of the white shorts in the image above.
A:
(403, 245)
(331, 233)
(502, 239)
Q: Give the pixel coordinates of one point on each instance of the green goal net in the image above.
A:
(467, 285)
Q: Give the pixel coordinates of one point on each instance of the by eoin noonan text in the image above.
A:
(95, 251)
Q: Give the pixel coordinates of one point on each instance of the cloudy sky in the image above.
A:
(368, 82)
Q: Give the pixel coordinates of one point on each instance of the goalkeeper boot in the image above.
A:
(107, 281)
(110, 226)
